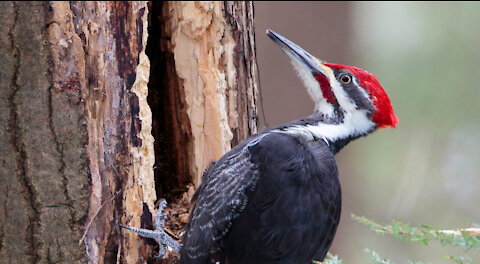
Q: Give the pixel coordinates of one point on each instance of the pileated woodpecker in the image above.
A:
(275, 198)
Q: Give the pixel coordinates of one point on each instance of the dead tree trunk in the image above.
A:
(77, 133)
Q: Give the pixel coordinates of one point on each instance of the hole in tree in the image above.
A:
(165, 99)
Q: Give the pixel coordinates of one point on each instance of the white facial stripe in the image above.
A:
(342, 97)
(313, 87)
(355, 123)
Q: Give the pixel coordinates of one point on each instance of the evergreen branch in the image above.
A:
(375, 257)
(465, 237)
(461, 260)
(330, 259)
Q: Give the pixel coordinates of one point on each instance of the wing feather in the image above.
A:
(219, 200)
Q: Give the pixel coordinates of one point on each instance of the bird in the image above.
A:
(276, 196)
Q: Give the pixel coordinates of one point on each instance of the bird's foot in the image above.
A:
(161, 252)
(162, 238)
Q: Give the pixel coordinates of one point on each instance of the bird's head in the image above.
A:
(345, 95)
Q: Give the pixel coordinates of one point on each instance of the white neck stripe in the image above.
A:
(354, 124)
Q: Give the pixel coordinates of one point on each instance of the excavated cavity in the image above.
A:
(170, 124)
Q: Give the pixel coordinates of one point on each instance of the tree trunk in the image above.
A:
(80, 149)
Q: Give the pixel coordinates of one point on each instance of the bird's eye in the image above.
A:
(345, 79)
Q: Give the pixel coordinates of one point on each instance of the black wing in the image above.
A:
(292, 215)
(220, 199)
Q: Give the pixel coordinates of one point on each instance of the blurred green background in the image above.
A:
(426, 55)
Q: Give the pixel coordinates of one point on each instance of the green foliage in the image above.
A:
(330, 259)
(375, 257)
(461, 260)
(424, 234)
(334, 260)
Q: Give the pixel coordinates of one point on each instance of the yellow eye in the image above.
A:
(345, 79)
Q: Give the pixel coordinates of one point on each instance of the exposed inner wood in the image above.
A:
(76, 127)
(202, 87)
(202, 91)
(171, 127)
(214, 61)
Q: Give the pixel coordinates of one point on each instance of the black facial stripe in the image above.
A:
(353, 91)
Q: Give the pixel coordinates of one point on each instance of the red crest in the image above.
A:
(384, 115)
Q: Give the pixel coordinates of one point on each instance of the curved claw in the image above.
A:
(161, 252)
(162, 238)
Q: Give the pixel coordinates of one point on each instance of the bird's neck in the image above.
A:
(336, 132)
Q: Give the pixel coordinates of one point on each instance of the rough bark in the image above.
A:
(76, 148)
(210, 50)
(43, 174)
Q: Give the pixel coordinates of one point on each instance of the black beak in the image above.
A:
(297, 53)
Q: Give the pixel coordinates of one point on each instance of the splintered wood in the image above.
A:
(212, 44)
(76, 119)
(212, 48)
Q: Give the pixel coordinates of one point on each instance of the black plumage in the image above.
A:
(275, 198)
(295, 209)
(280, 203)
